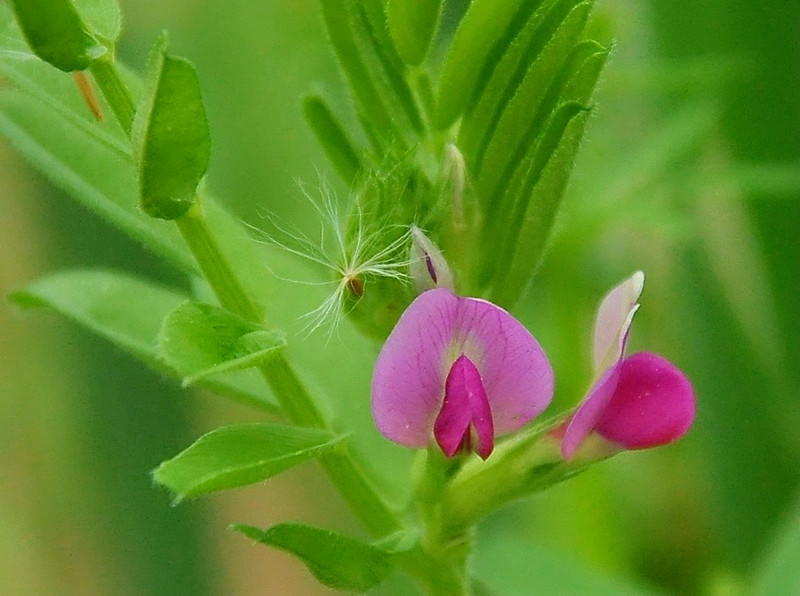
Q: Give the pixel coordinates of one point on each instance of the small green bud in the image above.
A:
(457, 172)
(427, 265)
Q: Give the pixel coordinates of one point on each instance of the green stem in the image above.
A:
(523, 465)
(442, 558)
(359, 494)
(376, 516)
(111, 85)
(504, 477)
(198, 237)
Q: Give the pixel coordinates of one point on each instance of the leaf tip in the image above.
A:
(247, 530)
(24, 299)
(157, 477)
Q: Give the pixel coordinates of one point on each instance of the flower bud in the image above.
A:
(427, 266)
(636, 402)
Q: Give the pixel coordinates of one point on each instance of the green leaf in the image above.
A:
(384, 62)
(537, 221)
(6, 16)
(527, 229)
(239, 455)
(377, 76)
(508, 201)
(332, 136)
(337, 561)
(201, 340)
(128, 312)
(125, 310)
(522, 117)
(102, 17)
(43, 117)
(172, 144)
(412, 24)
(57, 34)
(581, 72)
(484, 32)
(76, 161)
(517, 59)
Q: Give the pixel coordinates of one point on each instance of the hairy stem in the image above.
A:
(446, 552)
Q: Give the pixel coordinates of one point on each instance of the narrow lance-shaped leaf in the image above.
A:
(128, 312)
(412, 24)
(581, 74)
(337, 561)
(200, 340)
(170, 136)
(57, 34)
(506, 214)
(503, 82)
(234, 456)
(525, 113)
(573, 81)
(484, 24)
(543, 196)
(533, 226)
(339, 16)
(332, 136)
(528, 204)
(384, 63)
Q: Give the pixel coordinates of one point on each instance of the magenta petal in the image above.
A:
(590, 411)
(409, 377)
(408, 384)
(614, 318)
(465, 421)
(653, 404)
(516, 374)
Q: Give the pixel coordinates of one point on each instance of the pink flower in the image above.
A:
(460, 371)
(636, 402)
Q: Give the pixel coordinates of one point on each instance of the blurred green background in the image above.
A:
(690, 171)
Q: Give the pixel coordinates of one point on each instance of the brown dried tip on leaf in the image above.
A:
(88, 94)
